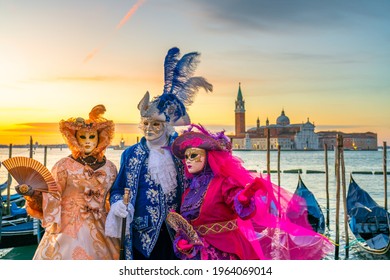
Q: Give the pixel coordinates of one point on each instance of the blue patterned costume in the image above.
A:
(155, 177)
(150, 203)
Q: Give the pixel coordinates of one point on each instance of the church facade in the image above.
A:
(288, 136)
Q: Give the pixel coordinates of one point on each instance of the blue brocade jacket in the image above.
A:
(150, 204)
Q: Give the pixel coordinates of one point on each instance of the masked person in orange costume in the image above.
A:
(74, 219)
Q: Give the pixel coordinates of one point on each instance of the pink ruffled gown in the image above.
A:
(74, 223)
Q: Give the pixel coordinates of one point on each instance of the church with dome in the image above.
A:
(288, 136)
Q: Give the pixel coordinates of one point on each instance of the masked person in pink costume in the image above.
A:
(234, 214)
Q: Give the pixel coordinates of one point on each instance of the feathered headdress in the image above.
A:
(180, 88)
(96, 122)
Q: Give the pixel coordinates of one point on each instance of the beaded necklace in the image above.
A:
(88, 163)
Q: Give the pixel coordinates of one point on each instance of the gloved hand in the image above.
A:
(115, 217)
(183, 246)
(130, 211)
(119, 209)
(245, 196)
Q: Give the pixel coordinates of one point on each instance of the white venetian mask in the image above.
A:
(87, 140)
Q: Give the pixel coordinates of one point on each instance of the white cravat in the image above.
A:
(160, 164)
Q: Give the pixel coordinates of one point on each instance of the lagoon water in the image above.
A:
(371, 161)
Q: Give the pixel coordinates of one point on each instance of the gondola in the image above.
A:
(3, 186)
(15, 212)
(20, 232)
(18, 228)
(311, 211)
(369, 222)
(14, 198)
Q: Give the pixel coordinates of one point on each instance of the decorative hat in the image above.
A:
(96, 122)
(180, 88)
(200, 139)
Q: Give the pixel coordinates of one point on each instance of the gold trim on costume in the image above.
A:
(216, 228)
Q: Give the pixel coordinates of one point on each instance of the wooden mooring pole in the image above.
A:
(335, 157)
(385, 170)
(337, 171)
(31, 147)
(279, 180)
(327, 184)
(268, 153)
(39, 223)
(45, 156)
(344, 188)
(9, 183)
(279, 165)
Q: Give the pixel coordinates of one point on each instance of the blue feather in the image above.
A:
(180, 86)
(191, 87)
(170, 62)
(184, 70)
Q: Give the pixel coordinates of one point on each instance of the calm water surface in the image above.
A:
(309, 160)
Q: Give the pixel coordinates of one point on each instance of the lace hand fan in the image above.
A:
(30, 175)
(178, 223)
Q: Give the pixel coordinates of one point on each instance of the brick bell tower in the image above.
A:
(240, 113)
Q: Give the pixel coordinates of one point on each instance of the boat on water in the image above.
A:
(4, 185)
(16, 212)
(14, 198)
(312, 213)
(369, 222)
(121, 145)
(18, 228)
(20, 232)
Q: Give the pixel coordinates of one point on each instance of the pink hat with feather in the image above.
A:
(200, 139)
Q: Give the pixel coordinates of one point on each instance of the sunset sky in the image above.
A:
(328, 61)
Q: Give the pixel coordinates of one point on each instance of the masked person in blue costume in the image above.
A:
(155, 177)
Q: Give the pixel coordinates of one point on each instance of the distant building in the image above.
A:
(351, 141)
(287, 136)
(291, 136)
(240, 114)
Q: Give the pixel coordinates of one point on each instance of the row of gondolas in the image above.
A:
(17, 227)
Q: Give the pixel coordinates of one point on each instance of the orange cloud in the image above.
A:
(91, 55)
(130, 13)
